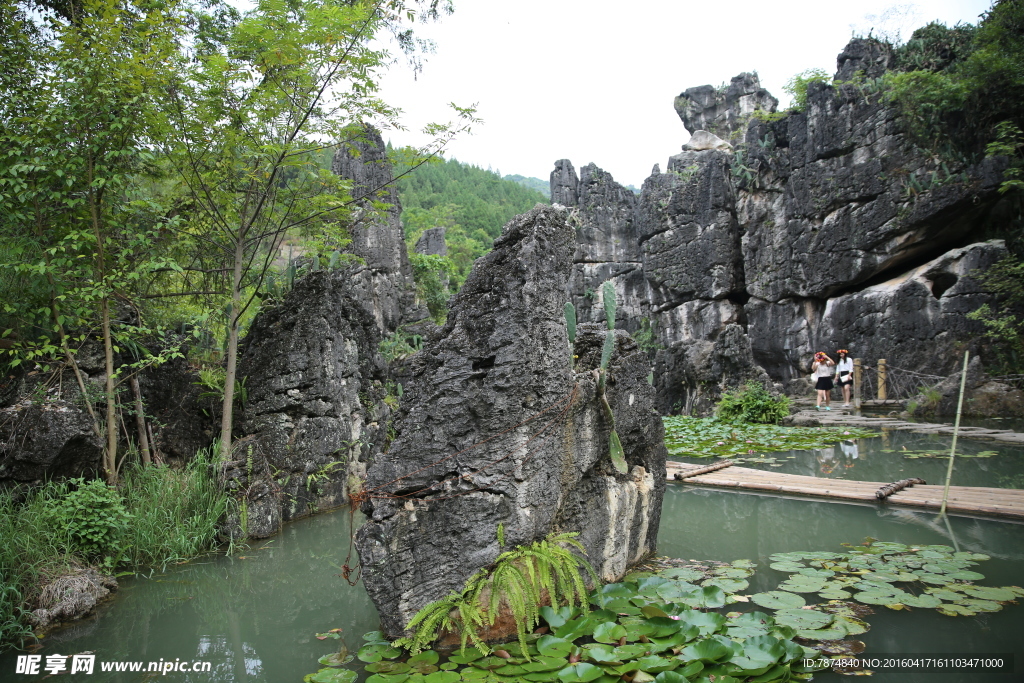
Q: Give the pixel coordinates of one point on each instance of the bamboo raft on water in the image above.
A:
(977, 500)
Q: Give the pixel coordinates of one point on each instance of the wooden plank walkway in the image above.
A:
(842, 417)
(975, 500)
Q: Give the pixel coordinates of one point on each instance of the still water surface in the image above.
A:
(897, 455)
(254, 619)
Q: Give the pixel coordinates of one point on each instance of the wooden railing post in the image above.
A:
(857, 369)
(881, 379)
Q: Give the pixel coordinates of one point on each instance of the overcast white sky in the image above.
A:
(594, 81)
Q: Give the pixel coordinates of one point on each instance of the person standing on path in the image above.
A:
(821, 369)
(844, 375)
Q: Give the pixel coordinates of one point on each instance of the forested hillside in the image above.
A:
(472, 203)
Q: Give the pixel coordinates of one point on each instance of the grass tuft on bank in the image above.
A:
(159, 515)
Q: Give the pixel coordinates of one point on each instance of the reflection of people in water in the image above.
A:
(826, 459)
(850, 452)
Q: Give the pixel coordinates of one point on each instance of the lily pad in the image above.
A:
(785, 566)
(964, 575)
(944, 594)
(442, 677)
(712, 649)
(924, 600)
(822, 634)
(580, 673)
(470, 654)
(374, 652)
(990, 593)
(387, 667)
(608, 632)
(981, 605)
(683, 574)
(956, 610)
(728, 585)
(803, 618)
(553, 646)
(852, 625)
(331, 676)
(733, 572)
(336, 659)
(546, 663)
(388, 678)
(778, 600)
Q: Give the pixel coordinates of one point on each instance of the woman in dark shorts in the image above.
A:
(821, 369)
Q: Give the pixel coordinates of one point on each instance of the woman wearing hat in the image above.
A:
(844, 375)
(821, 369)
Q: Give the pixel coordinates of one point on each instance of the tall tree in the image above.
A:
(258, 96)
(77, 115)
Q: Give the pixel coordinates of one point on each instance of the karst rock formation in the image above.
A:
(499, 425)
(770, 237)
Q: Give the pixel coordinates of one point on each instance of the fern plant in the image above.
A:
(522, 579)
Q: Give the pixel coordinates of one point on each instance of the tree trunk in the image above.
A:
(110, 457)
(232, 360)
(140, 421)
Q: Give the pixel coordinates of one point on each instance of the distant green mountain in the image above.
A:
(542, 186)
(472, 203)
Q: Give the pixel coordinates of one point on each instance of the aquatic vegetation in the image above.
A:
(752, 403)
(668, 625)
(895, 575)
(694, 437)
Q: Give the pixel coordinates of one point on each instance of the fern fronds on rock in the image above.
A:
(522, 579)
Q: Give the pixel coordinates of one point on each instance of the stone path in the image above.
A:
(845, 416)
(974, 500)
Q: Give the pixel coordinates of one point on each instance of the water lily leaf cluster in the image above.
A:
(693, 437)
(657, 628)
(677, 645)
(668, 626)
(895, 575)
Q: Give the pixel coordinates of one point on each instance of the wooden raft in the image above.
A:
(962, 499)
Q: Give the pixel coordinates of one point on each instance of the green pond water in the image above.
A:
(897, 455)
(255, 619)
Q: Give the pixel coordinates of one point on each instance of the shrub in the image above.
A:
(796, 87)
(94, 517)
(752, 403)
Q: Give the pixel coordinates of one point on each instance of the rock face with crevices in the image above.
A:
(769, 238)
(497, 426)
(315, 408)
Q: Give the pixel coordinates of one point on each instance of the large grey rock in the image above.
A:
(181, 418)
(315, 408)
(864, 57)
(917, 321)
(378, 239)
(497, 427)
(839, 197)
(822, 229)
(691, 242)
(43, 438)
(724, 111)
(432, 242)
(694, 374)
(607, 242)
(702, 140)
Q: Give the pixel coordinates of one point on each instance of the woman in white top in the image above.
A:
(844, 375)
(822, 371)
